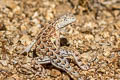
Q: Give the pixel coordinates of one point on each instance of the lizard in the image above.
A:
(47, 43)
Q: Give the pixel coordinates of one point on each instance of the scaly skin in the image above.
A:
(76, 55)
(47, 44)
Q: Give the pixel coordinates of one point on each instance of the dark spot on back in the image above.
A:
(64, 42)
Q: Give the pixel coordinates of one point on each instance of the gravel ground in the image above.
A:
(96, 34)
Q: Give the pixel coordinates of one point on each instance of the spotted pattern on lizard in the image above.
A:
(47, 44)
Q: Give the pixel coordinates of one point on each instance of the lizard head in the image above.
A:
(64, 20)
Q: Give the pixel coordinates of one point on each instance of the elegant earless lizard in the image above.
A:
(47, 44)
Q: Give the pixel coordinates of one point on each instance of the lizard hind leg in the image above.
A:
(76, 55)
(61, 62)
